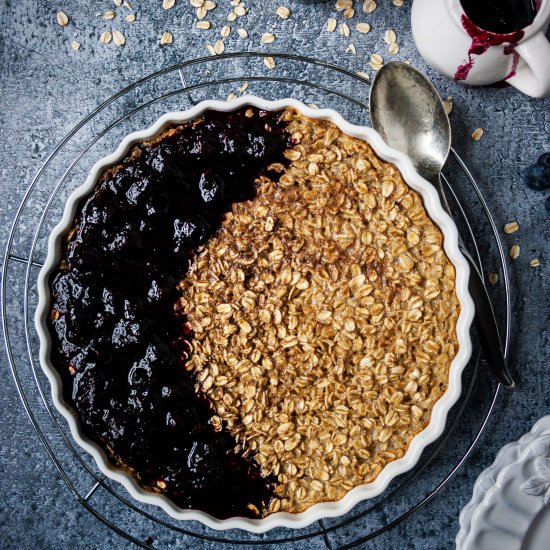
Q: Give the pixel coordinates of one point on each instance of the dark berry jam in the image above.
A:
(500, 16)
(117, 342)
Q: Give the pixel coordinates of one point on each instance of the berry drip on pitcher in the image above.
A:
(495, 23)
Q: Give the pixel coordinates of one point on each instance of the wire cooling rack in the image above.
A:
(136, 107)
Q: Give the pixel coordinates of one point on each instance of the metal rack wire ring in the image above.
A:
(65, 168)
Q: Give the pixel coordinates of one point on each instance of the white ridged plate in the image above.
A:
(441, 408)
(510, 506)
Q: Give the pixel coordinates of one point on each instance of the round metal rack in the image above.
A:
(136, 107)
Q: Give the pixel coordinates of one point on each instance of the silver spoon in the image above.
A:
(408, 113)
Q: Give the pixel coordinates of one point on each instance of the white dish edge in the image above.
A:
(441, 408)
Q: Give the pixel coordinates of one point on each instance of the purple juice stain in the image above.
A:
(494, 23)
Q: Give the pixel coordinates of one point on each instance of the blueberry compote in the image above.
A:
(118, 343)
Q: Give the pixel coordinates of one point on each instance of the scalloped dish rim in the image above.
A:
(440, 409)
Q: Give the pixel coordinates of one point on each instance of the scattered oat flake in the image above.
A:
(535, 262)
(493, 278)
(166, 38)
(344, 29)
(127, 5)
(363, 27)
(398, 3)
(219, 47)
(369, 6)
(232, 16)
(269, 62)
(351, 49)
(75, 45)
(514, 251)
(118, 38)
(342, 5)
(106, 37)
(448, 105)
(267, 38)
(244, 87)
(477, 133)
(204, 24)
(364, 75)
(117, 3)
(208, 6)
(349, 13)
(511, 227)
(197, 3)
(393, 48)
(331, 25)
(231, 96)
(389, 37)
(131, 17)
(62, 18)
(376, 61)
(108, 15)
(168, 4)
(226, 31)
(240, 10)
(210, 48)
(243, 33)
(283, 12)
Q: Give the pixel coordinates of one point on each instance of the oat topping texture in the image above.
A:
(324, 314)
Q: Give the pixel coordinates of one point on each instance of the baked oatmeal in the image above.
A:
(253, 305)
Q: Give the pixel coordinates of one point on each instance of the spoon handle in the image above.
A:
(485, 319)
(486, 323)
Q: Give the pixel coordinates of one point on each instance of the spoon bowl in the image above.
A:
(404, 100)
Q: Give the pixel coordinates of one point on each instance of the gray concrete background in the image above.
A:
(46, 87)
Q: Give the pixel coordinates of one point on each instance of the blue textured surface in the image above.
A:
(46, 87)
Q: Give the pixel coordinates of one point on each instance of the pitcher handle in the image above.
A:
(533, 71)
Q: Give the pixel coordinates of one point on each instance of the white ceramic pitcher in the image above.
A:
(460, 50)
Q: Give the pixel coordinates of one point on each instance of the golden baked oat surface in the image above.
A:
(324, 314)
